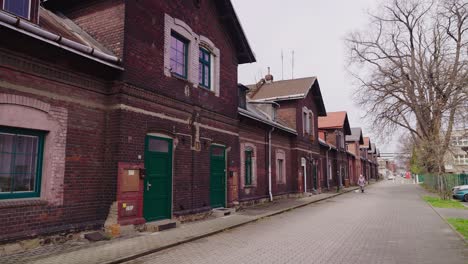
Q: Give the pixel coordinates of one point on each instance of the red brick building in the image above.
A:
(127, 112)
(334, 128)
(92, 92)
(290, 144)
(353, 142)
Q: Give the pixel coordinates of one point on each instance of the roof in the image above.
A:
(326, 144)
(253, 112)
(53, 30)
(228, 18)
(366, 143)
(356, 135)
(289, 90)
(335, 120)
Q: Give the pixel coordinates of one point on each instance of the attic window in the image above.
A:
(21, 8)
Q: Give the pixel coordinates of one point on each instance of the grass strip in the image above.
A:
(460, 224)
(440, 203)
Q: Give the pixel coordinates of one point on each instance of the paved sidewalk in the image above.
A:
(120, 250)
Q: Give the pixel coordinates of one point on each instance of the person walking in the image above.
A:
(361, 183)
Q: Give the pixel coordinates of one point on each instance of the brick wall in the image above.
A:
(145, 53)
(88, 183)
(103, 20)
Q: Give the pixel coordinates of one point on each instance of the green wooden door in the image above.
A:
(218, 177)
(157, 199)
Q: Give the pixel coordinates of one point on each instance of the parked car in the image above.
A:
(390, 177)
(460, 192)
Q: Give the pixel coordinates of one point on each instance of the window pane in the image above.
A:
(200, 73)
(24, 183)
(180, 58)
(5, 183)
(18, 7)
(158, 145)
(180, 69)
(25, 164)
(173, 43)
(207, 76)
(173, 65)
(280, 170)
(6, 160)
(217, 151)
(6, 142)
(180, 45)
(173, 54)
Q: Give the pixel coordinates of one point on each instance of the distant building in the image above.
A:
(456, 159)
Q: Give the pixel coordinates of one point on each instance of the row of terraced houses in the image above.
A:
(127, 112)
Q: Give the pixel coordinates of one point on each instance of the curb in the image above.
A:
(148, 252)
(447, 222)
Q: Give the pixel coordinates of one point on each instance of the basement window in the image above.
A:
(21, 8)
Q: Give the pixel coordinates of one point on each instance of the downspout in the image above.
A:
(269, 164)
(304, 169)
(328, 169)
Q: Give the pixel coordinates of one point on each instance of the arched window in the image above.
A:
(248, 165)
(311, 125)
(280, 166)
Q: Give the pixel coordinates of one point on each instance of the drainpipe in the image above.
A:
(269, 164)
(304, 169)
(328, 169)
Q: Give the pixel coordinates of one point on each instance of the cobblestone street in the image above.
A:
(388, 224)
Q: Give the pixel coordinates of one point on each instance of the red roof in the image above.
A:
(335, 120)
(366, 142)
(332, 120)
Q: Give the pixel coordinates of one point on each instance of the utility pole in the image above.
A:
(282, 65)
(292, 63)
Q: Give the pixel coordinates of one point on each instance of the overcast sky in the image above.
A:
(315, 30)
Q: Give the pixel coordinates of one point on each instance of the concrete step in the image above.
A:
(161, 225)
(220, 212)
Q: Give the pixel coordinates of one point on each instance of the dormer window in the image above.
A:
(21, 8)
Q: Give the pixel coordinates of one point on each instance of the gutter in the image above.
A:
(280, 98)
(26, 28)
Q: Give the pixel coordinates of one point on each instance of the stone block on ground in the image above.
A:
(95, 236)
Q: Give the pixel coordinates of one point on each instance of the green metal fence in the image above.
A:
(446, 181)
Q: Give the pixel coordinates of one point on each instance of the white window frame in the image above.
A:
(253, 148)
(29, 10)
(195, 43)
(280, 155)
(311, 127)
(305, 121)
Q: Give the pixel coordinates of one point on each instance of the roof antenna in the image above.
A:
(292, 62)
(282, 65)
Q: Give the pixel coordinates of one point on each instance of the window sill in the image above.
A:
(22, 202)
(177, 76)
(203, 88)
(249, 186)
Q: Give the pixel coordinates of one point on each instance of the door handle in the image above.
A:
(148, 186)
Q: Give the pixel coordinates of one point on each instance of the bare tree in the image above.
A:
(411, 66)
